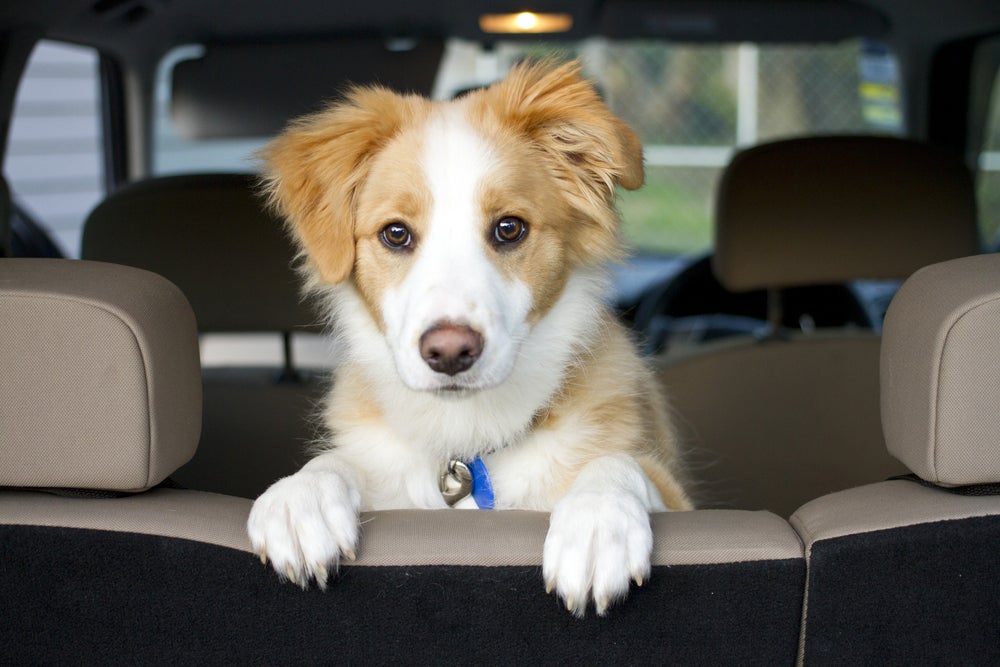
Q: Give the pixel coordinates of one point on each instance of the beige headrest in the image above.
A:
(827, 210)
(101, 385)
(941, 372)
(211, 235)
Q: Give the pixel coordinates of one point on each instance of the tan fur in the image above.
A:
(317, 166)
(617, 400)
(340, 176)
(589, 149)
(394, 191)
(321, 172)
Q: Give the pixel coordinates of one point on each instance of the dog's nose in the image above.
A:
(451, 348)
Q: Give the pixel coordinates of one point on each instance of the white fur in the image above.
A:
(465, 426)
(453, 279)
(304, 522)
(599, 534)
(599, 537)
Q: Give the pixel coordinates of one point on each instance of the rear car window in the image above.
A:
(54, 162)
(692, 105)
(988, 177)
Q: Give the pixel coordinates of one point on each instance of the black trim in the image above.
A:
(968, 490)
(113, 124)
(75, 596)
(27, 237)
(919, 595)
(93, 494)
(949, 92)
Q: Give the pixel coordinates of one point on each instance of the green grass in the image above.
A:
(671, 212)
(989, 206)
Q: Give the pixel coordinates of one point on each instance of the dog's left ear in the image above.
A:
(593, 151)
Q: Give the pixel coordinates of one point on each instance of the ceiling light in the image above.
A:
(525, 22)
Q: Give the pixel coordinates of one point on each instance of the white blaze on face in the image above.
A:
(453, 279)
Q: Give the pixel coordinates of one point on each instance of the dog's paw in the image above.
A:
(597, 544)
(304, 523)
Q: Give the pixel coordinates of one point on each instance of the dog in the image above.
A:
(458, 247)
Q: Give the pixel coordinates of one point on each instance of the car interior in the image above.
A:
(826, 326)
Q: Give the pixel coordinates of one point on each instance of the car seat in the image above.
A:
(777, 418)
(211, 235)
(906, 571)
(99, 403)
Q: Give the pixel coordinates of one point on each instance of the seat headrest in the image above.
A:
(828, 210)
(211, 235)
(101, 385)
(941, 372)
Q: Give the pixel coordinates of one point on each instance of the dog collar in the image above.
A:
(461, 479)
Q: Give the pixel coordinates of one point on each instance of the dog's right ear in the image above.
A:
(314, 169)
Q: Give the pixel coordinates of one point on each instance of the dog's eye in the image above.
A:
(509, 230)
(396, 236)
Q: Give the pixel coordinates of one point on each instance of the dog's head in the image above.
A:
(458, 223)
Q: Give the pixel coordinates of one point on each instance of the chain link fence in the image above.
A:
(694, 105)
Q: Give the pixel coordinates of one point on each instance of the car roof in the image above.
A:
(131, 28)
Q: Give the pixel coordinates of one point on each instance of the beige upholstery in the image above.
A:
(940, 401)
(83, 342)
(209, 234)
(777, 422)
(459, 537)
(941, 372)
(772, 425)
(940, 405)
(826, 210)
(96, 300)
(882, 506)
(210, 518)
(100, 386)
(411, 537)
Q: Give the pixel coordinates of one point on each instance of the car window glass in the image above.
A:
(174, 153)
(54, 160)
(988, 180)
(692, 105)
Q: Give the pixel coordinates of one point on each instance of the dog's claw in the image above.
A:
(602, 606)
(548, 588)
(350, 555)
(291, 573)
(263, 558)
(321, 577)
(638, 580)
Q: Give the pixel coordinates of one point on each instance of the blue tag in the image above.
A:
(482, 487)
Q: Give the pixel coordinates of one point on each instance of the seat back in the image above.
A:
(772, 425)
(211, 235)
(801, 410)
(906, 571)
(168, 575)
(828, 210)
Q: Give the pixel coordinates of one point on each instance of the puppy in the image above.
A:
(458, 247)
